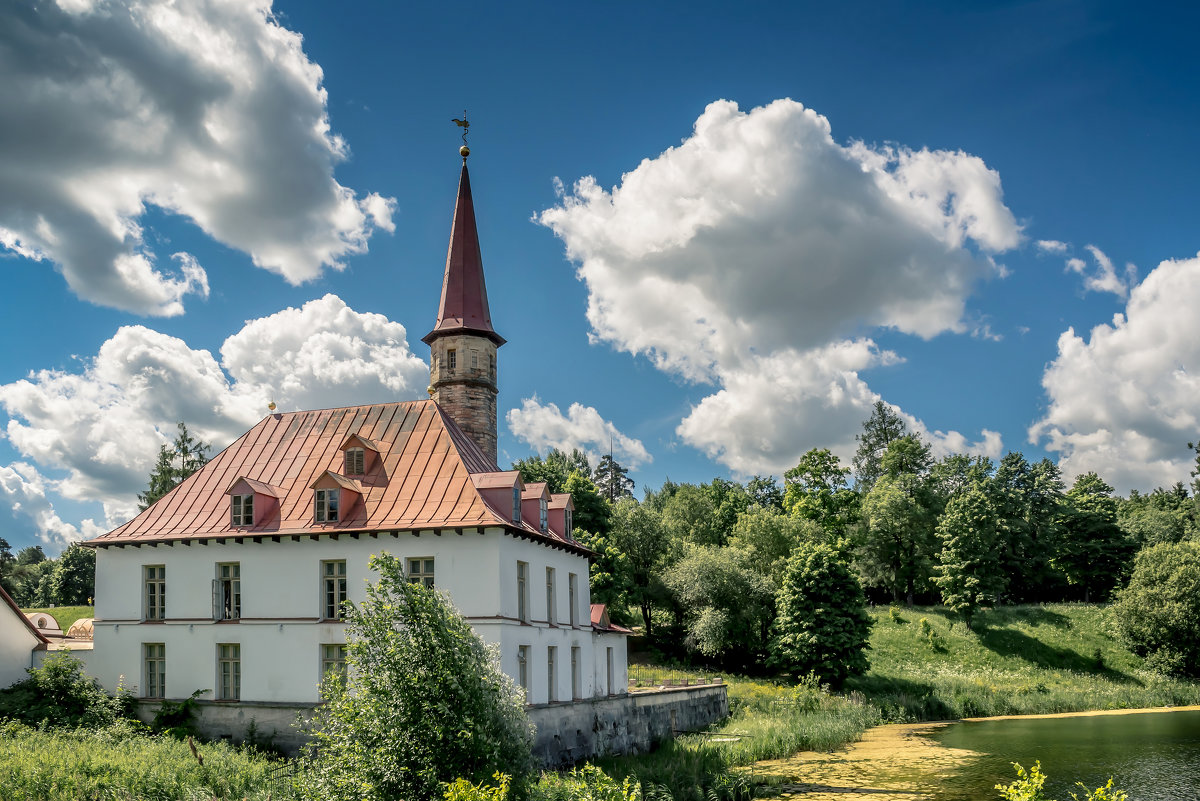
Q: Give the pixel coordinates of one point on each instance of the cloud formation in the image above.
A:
(24, 489)
(756, 253)
(544, 426)
(103, 425)
(208, 109)
(1103, 277)
(1123, 401)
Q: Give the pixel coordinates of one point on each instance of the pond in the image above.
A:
(1154, 756)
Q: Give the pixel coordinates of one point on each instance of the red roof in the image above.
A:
(464, 306)
(421, 480)
(600, 620)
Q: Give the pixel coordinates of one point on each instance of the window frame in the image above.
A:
(551, 596)
(523, 670)
(543, 515)
(516, 515)
(154, 670)
(326, 505)
(451, 358)
(523, 591)
(334, 660)
(551, 673)
(425, 570)
(573, 598)
(576, 672)
(355, 462)
(569, 523)
(229, 591)
(229, 671)
(334, 589)
(241, 510)
(154, 592)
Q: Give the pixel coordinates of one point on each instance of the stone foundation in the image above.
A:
(566, 733)
(626, 724)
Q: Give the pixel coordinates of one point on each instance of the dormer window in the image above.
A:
(242, 510)
(326, 506)
(516, 517)
(451, 358)
(356, 460)
(543, 515)
(570, 524)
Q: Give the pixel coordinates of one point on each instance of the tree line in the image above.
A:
(710, 571)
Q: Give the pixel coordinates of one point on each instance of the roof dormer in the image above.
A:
(561, 509)
(535, 506)
(334, 497)
(360, 455)
(501, 491)
(252, 502)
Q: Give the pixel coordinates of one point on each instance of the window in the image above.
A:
(451, 359)
(551, 676)
(608, 658)
(229, 591)
(420, 571)
(333, 588)
(242, 507)
(356, 461)
(156, 592)
(516, 503)
(229, 672)
(550, 604)
(475, 359)
(492, 367)
(572, 597)
(543, 515)
(333, 660)
(576, 673)
(523, 591)
(326, 506)
(155, 657)
(523, 669)
(568, 516)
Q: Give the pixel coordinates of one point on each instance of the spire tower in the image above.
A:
(463, 344)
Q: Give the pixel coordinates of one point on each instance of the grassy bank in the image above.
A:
(1019, 660)
(117, 765)
(65, 615)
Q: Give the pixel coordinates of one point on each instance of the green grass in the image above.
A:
(1019, 660)
(118, 764)
(65, 615)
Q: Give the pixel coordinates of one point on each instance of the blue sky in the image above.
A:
(793, 211)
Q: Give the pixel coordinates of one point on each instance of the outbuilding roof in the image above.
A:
(421, 480)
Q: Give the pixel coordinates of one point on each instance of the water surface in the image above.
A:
(1153, 756)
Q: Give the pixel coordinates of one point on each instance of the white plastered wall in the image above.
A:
(16, 646)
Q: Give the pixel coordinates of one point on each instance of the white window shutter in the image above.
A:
(216, 599)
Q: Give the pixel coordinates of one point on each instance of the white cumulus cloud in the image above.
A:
(1103, 276)
(544, 426)
(103, 425)
(23, 489)
(752, 255)
(208, 109)
(1122, 401)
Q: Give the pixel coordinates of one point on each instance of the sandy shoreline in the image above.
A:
(897, 760)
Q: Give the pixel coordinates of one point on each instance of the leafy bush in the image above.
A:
(178, 718)
(588, 783)
(427, 702)
(463, 790)
(58, 694)
(1030, 787)
(1158, 614)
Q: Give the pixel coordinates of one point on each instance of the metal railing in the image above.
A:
(648, 676)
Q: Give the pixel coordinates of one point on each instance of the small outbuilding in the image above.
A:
(18, 639)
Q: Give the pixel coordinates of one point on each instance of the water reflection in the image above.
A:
(1154, 756)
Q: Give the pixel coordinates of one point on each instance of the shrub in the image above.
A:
(58, 694)
(1030, 787)
(1158, 614)
(426, 704)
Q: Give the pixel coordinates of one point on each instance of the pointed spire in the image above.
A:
(464, 306)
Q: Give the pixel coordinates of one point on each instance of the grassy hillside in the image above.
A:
(1019, 660)
(65, 615)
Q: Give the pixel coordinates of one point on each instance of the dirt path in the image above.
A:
(896, 762)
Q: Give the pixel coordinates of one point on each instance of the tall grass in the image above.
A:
(123, 764)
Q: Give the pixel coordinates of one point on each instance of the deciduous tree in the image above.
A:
(883, 427)
(817, 489)
(1158, 613)
(969, 573)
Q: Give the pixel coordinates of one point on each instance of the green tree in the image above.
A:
(729, 500)
(767, 537)
(817, 489)
(969, 573)
(728, 605)
(610, 577)
(883, 427)
(592, 511)
(764, 491)
(612, 480)
(823, 626)
(691, 516)
(183, 457)
(1093, 551)
(7, 563)
(73, 582)
(638, 532)
(1158, 613)
(1164, 515)
(426, 702)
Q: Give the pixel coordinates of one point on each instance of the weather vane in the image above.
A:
(464, 124)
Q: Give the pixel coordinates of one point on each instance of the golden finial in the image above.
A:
(463, 151)
(271, 406)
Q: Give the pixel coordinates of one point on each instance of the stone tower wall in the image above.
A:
(467, 391)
